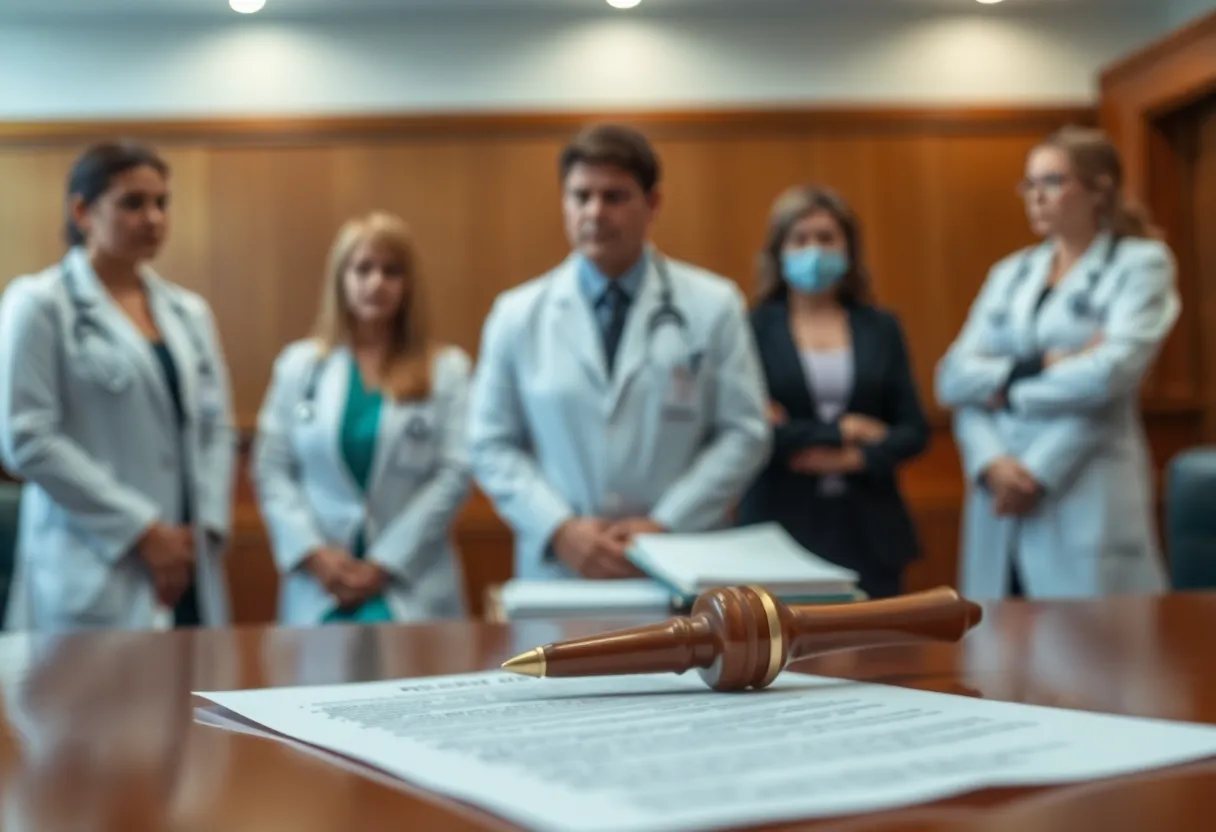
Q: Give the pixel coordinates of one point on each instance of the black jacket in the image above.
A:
(883, 388)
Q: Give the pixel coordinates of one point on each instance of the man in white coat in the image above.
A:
(620, 393)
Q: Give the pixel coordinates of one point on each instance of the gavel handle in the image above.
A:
(936, 615)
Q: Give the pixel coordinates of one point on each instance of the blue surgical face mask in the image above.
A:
(813, 269)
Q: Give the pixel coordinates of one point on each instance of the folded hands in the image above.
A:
(856, 431)
(595, 548)
(348, 579)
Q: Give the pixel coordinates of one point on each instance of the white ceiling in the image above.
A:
(59, 9)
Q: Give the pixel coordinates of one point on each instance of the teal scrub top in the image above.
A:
(360, 427)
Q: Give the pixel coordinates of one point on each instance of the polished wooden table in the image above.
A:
(99, 731)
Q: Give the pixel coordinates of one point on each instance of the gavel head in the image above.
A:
(748, 636)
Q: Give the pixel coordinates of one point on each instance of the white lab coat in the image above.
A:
(553, 437)
(1076, 426)
(87, 421)
(418, 484)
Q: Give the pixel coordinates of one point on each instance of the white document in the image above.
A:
(216, 720)
(663, 753)
(557, 598)
(762, 554)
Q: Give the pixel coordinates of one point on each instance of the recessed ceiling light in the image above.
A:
(623, 4)
(988, 2)
(246, 6)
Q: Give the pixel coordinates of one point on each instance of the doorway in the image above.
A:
(1186, 176)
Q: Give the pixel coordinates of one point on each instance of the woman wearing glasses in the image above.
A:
(1044, 384)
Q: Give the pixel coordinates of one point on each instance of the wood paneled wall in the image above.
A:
(256, 205)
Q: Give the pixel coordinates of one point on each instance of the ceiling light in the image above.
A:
(988, 2)
(623, 4)
(246, 6)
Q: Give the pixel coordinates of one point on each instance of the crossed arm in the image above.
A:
(1141, 313)
(1112, 366)
(1068, 390)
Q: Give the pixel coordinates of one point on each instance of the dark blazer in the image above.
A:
(883, 388)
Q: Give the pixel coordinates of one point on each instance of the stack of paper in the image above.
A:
(641, 598)
(682, 566)
(764, 555)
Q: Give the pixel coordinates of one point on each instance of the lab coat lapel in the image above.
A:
(172, 325)
(97, 299)
(1022, 312)
(332, 390)
(631, 352)
(1058, 307)
(571, 314)
(394, 416)
(1078, 277)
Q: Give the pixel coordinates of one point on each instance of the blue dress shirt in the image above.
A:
(594, 285)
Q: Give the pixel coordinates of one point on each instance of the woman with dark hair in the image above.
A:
(844, 403)
(115, 412)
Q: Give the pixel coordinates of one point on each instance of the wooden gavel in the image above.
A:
(740, 638)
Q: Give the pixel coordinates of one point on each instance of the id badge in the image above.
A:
(210, 411)
(680, 402)
(209, 403)
(416, 449)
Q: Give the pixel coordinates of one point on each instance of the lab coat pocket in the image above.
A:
(416, 449)
(103, 368)
(71, 579)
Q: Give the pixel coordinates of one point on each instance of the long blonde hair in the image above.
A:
(406, 373)
(1096, 162)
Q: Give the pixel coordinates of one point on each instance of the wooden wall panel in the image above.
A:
(256, 205)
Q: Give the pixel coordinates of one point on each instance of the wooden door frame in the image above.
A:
(1139, 93)
(1166, 76)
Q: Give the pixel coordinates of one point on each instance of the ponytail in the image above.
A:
(1097, 163)
(1130, 219)
(71, 231)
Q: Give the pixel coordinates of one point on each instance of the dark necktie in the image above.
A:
(616, 300)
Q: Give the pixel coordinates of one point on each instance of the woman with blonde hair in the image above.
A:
(359, 462)
(1044, 381)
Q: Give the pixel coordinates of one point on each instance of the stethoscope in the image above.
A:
(85, 322)
(305, 410)
(668, 313)
(416, 428)
(1081, 304)
(665, 313)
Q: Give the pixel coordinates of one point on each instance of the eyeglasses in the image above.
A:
(1050, 184)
